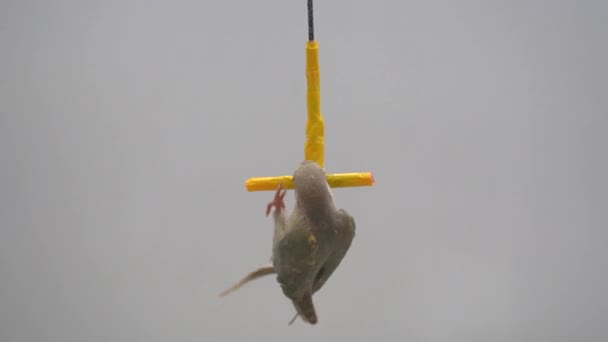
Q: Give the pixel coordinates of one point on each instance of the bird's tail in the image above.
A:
(306, 309)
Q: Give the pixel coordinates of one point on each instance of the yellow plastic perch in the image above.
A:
(314, 147)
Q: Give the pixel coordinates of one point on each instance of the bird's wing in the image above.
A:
(346, 233)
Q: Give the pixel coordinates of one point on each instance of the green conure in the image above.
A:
(309, 244)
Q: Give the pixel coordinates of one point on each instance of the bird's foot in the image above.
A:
(277, 201)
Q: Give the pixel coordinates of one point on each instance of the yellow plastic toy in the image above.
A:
(314, 147)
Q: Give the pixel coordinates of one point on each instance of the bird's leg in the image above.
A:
(279, 216)
(277, 201)
(260, 272)
(279, 226)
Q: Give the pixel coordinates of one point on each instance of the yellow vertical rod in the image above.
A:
(314, 147)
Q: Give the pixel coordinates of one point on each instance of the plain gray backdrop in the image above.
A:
(128, 128)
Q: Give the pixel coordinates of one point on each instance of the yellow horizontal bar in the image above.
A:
(337, 180)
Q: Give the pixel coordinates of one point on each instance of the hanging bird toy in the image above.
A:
(309, 244)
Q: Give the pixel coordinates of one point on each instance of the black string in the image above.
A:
(311, 26)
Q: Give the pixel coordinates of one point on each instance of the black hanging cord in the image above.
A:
(311, 26)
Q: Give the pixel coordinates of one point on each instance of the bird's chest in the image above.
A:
(301, 253)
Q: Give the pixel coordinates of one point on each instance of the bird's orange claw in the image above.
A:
(277, 201)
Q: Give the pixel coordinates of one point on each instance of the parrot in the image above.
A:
(309, 244)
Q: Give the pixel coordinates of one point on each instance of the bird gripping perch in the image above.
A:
(314, 147)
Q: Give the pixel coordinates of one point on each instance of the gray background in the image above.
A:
(127, 129)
